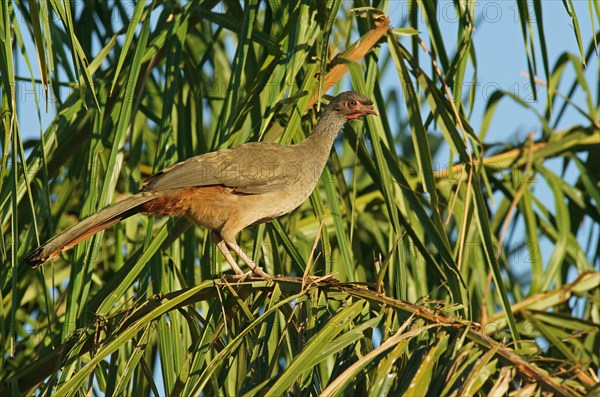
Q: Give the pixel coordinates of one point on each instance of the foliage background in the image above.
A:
(413, 288)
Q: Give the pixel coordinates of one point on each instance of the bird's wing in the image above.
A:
(252, 168)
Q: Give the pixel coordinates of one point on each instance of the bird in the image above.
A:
(227, 190)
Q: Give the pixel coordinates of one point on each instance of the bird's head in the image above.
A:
(352, 105)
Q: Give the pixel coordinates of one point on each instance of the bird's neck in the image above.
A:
(320, 141)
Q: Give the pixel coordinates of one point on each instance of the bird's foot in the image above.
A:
(259, 272)
(239, 278)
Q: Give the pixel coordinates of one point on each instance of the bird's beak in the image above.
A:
(363, 110)
(369, 109)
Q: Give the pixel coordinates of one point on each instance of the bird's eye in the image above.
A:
(352, 103)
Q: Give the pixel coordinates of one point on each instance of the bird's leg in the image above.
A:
(255, 269)
(223, 248)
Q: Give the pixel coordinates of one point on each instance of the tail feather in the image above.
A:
(87, 228)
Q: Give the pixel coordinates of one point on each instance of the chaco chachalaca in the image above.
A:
(227, 190)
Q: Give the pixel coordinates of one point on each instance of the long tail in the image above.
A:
(87, 228)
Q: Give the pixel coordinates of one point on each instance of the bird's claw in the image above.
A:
(258, 272)
(239, 278)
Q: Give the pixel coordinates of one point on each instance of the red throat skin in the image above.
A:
(354, 115)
